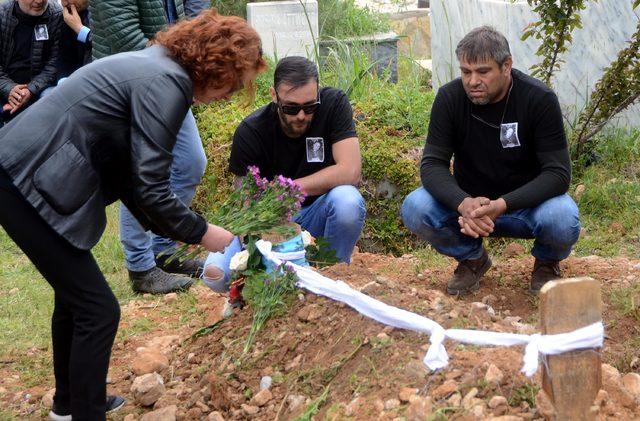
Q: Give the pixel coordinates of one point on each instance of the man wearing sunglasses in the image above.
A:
(307, 133)
(511, 169)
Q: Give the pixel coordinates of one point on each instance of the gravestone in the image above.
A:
(286, 28)
(607, 25)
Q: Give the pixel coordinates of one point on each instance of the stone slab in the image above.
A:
(284, 26)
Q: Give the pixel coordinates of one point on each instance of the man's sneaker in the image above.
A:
(58, 413)
(189, 267)
(466, 277)
(543, 272)
(157, 281)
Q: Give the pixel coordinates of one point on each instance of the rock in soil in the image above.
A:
(496, 401)
(445, 389)
(149, 361)
(406, 393)
(215, 416)
(147, 389)
(494, 375)
(631, 383)
(262, 397)
(419, 409)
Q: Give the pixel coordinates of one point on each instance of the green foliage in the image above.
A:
(557, 21)
(321, 254)
(525, 393)
(314, 406)
(627, 301)
(336, 18)
(618, 88)
(344, 19)
(266, 293)
(610, 204)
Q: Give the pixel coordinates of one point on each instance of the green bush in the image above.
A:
(391, 121)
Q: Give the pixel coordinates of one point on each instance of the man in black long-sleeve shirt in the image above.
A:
(511, 169)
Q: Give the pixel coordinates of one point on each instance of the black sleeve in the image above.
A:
(158, 108)
(245, 150)
(548, 128)
(553, 180)
(341, 121)
(436, 159)
(437, 178)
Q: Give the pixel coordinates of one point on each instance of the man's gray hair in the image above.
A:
(482, 44)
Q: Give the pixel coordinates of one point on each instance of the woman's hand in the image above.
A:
(216, 238)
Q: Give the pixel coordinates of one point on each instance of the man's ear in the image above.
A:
(507, 65)
(272, 91)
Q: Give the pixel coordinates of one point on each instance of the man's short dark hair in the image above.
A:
(482, 44)
(295, 71)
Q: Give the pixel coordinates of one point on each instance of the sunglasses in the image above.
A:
(295, 109)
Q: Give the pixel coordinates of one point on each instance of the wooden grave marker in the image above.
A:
(571, 380)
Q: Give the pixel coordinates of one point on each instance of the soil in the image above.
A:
(321, 346)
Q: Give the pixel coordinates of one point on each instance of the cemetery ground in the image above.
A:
(326, 361)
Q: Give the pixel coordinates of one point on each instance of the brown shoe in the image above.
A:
(543, 272)
(466, 277)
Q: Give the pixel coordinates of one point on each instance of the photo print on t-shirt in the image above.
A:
(509, 135)
(315, 149)
(41, 33)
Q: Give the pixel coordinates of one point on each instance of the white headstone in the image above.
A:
(287, 28)
(607, 25)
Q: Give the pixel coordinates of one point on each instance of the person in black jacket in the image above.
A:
(75, 39)
(511, 169)
(29, 35)
(107, 134)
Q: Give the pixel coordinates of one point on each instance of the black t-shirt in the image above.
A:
(485, 165)
(260, 141)
(19, 68)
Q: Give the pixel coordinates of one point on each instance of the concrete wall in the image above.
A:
(414, 29)
(607, 26)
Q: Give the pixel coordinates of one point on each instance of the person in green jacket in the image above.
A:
(128, 25)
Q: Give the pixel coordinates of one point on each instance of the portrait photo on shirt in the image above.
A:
(509, 135)
(41, 32)
(315, 149)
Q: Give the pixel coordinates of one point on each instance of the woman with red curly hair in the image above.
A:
(107, 134)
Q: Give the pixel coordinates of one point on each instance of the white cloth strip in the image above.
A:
(291, 255)
(591, 336)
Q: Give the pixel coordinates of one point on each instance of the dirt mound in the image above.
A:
(323, 356)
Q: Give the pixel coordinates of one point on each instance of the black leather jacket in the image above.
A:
(105, 134)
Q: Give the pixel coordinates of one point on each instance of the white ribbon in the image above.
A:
(591, 336)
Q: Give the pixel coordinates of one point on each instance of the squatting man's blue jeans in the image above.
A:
(554, 224)
(187, 169)
(337, 215)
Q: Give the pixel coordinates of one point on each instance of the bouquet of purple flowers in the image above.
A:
(259, 205)
(256, 207)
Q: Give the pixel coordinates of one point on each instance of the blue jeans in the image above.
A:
(554, 224)
(187, 169)
(337, 215)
